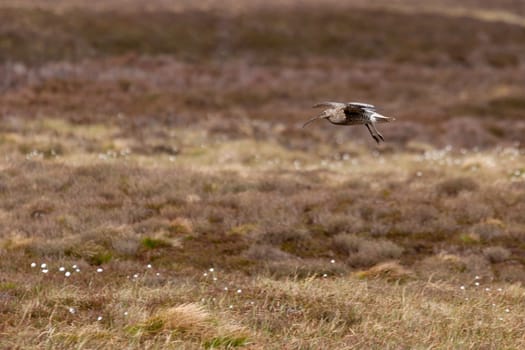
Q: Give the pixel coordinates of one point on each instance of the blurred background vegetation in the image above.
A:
(451, 74)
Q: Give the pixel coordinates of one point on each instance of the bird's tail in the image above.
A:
(382, 119)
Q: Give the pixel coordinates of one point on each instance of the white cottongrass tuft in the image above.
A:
(212, 269)
(75, 266)
(99, 318)
(99, 270)
(158, 274)
(239, 291)
(462, 287)
(33, 264)
(43, 266)
(149, 266)
(332, 261)
(67, 274)
(72, 310)
(45, 271)
(61, 269)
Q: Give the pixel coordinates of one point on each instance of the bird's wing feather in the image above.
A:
(329, 104)
(356, 110)
(360, 105)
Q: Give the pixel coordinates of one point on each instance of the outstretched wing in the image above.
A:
(329, 104)
(359, 105)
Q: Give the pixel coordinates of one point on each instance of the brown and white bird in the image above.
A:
(352, 113)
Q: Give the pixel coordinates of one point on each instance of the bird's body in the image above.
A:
(352, 113)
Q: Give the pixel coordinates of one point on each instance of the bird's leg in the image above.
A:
(372, 133)
(377, 132)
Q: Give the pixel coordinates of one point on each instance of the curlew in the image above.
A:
(352, 113)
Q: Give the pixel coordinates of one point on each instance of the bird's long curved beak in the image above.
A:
(314, 119)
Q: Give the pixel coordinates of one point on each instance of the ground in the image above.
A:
(157, 189)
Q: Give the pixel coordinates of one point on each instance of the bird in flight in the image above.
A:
(352, 113)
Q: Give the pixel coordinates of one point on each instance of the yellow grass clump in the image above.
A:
(390, 271)
(192, 321)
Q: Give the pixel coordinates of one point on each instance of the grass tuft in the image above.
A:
(452, 187)
(364, 252)
(390, 271)
(155, 243)
(227, 342)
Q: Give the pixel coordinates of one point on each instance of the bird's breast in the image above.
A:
(338, 120)
(338, 117)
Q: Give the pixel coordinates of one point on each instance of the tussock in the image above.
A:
(452, 187)
(442, 266)
(489, 229)
(390, 271)
(364, 252)
(191, 321)
(496, 254)
(265, 252)
(304, 268)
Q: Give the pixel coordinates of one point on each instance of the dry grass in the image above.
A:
(496, 254)
(168, 188)
(282, 244)
(363, 252)
(389, 271)
(190, 321)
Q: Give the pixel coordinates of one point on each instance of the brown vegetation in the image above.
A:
(153, 160)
